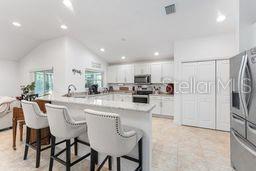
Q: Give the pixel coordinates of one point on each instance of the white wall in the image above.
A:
(50, 54)
(61, 54)
(79, 57)
(212, 47)
(247, 24)
(9, 78)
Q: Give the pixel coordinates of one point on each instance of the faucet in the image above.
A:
(69, 89)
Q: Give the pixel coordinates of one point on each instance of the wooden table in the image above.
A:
(18, 116)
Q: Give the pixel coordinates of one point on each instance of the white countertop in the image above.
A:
(99, 102)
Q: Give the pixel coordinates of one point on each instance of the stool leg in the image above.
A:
(92, 164)
(53, 140)
(109, 163)
(27, 143)
(76, 147)
(118, 164)
(68, 155)
(140, 154)
(38, 147)
(21, 131)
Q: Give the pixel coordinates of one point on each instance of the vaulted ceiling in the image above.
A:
(131, 28)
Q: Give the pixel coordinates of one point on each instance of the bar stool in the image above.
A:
(37, 120)
(63, 126)
(108, 136)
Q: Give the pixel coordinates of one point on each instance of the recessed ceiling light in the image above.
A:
(102, 50)
(220, 18)
(123, 57)
(156, 53)
(16, 24)
(64, 27)
(68, 4)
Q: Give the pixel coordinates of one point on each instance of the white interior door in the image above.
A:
(189, 114)
(223, 96)
(205, 76)
(198, 101)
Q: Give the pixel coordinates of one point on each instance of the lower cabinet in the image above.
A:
(123, 97)
(164, 105)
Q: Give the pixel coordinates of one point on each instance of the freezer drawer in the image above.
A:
(243, 155)
(251, 133)
(238, 124)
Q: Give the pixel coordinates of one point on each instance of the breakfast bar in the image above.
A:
(136, 115)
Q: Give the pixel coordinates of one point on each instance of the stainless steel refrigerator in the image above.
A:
(243, 111)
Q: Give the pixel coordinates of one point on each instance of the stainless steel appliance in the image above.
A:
(142, 79)
(141, 96)
(243, 111)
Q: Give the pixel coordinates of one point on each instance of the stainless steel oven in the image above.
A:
(140, 99)
(142, 79)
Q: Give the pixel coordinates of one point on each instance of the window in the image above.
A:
(43, 82)
(93, 77)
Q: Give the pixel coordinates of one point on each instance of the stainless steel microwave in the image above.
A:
(142, 79)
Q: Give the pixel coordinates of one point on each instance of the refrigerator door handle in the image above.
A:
(252, 127)
(242, 144)
(241, 83)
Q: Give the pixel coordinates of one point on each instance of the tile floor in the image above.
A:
(175, 148)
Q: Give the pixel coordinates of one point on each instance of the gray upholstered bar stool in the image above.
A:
(108, 136)
(63, 126)
(37, 120)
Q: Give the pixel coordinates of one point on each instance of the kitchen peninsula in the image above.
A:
(137, 115)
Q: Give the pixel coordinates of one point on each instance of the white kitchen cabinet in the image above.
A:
(164, 105)
(141, 69)
(156, 100)
(223, 96)
(129, 73)
(199, 105)
(112, 74)
(167, 106)
(167, 72)
(123, 97)
(162, 72)
(125, 74)
(156, 72)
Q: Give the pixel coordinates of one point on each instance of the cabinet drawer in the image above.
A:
(156, 97)
(167, 98)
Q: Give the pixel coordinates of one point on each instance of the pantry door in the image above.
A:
(198, 106)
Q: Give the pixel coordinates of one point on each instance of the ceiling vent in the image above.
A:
(170, 9)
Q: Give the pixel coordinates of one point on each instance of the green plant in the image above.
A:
(28, 88)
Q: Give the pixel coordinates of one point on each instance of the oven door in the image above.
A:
(140, 99)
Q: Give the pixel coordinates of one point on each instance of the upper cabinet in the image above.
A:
(162, 72)
(120, 74)
(142, 69)
(112, 74)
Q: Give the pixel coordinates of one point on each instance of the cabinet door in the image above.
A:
(142, 69)
(167, 106)
(223, 96)
(167, 72)
(156, 73)
(127, 98)
(112, 74)
(121, 74)
(129, 74)
(156, 101)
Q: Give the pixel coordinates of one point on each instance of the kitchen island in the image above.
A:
(132, 114)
